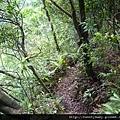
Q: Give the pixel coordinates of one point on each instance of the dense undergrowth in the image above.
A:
(103, 95)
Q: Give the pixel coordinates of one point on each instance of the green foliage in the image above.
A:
(40, 41)
(48, 104)
(87, 97)
(113, 106)
(101, 44)
(41, 52)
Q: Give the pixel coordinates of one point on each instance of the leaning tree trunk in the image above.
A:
(8, 105)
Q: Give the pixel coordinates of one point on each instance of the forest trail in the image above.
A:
(67, 90)
(74, 85)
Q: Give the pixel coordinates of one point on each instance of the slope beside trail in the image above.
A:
(82, 96)
(67, 90)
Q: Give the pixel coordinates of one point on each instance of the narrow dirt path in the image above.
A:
(66, 89)
(72, 96)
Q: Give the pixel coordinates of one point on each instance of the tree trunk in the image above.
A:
(52, 27)
(84, 34)
(8, 105)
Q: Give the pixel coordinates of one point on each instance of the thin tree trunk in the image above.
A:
(52, 27)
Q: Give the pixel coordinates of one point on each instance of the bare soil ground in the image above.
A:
(67, 90)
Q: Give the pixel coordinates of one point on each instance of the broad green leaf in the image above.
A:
(61, 61)
(108, 112)
(116, 96)
(108, 106)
